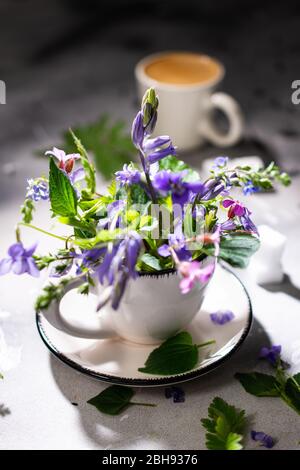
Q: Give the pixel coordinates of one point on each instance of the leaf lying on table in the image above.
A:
(262, 385)
(109, 143)
(62, 194)
(225, 425)
(175, 356)
(114, 399)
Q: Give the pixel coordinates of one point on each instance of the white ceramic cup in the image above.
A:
(151, 310)
(186, 110)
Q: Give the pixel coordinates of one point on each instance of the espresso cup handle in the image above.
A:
(232, 110)
(88, 324)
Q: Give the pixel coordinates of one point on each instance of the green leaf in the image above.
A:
(175, 165)
(62, 194)
(260, 385)
(113, 400)
(175, 356)
(292, 391)
(88, 167)
(225, 426)
(150, 263)
(237, 248)
(138, 195)
(109, 143)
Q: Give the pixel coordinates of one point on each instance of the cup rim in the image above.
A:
(141, 75)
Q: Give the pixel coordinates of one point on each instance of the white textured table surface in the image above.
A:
(37, 391)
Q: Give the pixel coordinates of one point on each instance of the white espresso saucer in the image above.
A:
(117, 361)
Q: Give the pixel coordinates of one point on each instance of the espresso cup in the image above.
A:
(185, 83)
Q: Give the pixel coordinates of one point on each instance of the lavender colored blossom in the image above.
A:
(220, 162)
(221, 317)
(271, 354)
(37, 190)
(177, 242)
(227, 225)
(160, 153)
(264, 439)
(19, 260)
(128, 176)
(247, 223)
(66, 161)
(165, 181)
(137, 130)
(249, 188)
(119, 265)
(212, 188)
(176, 393)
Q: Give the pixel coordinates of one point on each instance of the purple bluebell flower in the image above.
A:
(137, 130)
(177, 393)
(227, 225)
(166, 181)
(249, 188)
(128, 175)
(177, 242)
(264, 439)
(113, 210)
(37, 190)
(220, 162)
(76, 175)
(221, 317)
(119, 264)
(212, 188)
(247, 223)
(19, 260)
(66, 162)
(271, 354)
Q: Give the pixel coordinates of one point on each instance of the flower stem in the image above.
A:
(142, 404)
(42, 231)
(202, 345)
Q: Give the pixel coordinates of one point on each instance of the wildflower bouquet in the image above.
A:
(156, 216)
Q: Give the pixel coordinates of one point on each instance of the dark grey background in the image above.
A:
(68, 61)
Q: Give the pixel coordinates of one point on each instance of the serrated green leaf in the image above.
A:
(260, 385)
(225, 426)
(109, 143)
(63, 197)
(175, 356)
(113, 400)
(138, 195)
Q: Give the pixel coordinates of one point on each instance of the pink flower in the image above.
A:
(66, 162)
(192, 273)
(236, 208)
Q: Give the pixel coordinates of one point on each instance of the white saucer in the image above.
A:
(117, 361)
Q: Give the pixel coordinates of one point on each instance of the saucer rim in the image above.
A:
(149, 381)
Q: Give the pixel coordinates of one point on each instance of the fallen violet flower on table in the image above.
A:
(176, 393)
(19, 260)
(271, 354)
(222, 317)
(264, 439)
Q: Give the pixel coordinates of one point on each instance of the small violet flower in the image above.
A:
(221, 317)
(249, 188)
(193, 272)
(19, 261)
(265, 440)
(165, 181)
(176, 393)
(220, 162)
(128, 176)
(37, 190)
(271, 354)
(66, 162)
(177, 242)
